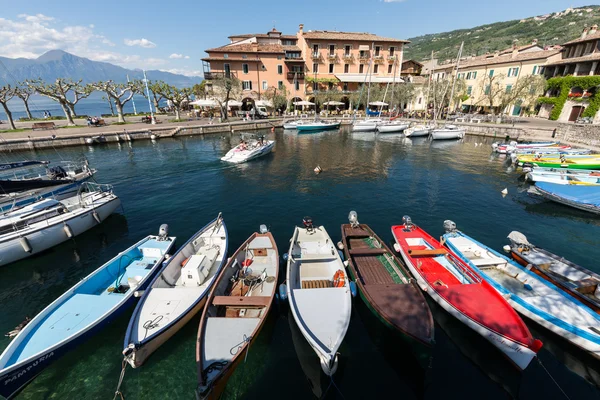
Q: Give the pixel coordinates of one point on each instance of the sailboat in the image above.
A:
(450, 131)
(425, 128)
(367, 124)
(392, 125)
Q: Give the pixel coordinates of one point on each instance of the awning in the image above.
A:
(360, 78)
(234, 103)
(378, 103)
(364, 47)
(204, 103)
(303, 103)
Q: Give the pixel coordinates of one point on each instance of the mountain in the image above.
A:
(60, 64)
(550, 29)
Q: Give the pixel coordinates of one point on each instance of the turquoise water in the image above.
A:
(183, 183)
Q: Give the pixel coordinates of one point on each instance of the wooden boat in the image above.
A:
(20, 188)
(448, 132)
(81, 312)
(39, 226)
(177, 292)
(249, 150)
(573, 161)
(236, 311)
(579, 282)
(530, 294)
(583, 197)
(317, 126)
(387, 288)
(319, 293)
(461, 291)
(564, 176)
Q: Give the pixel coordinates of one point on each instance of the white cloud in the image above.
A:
(140, 42)
(38, 18)
(187, 57)
(176, 56)
(186, 72)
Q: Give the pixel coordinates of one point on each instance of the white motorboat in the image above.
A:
(291, 125)
(366, 125)
(418, 131)
(392, 127)
(25, 182)
(319, 293)
(448, 132)
(249, 150)
(564, 176)
(44, 224)
(177, 292)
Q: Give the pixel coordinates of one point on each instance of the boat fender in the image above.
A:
(528, 267)
(506, 248)
(397, 248)
(184, 262)
(339, 279)
(283, 292)
(353, 288)
(527, 286)
(96, 216)
(68, 231)
(341, 254)
(340, 245)
(285, 256)
(346, 263)
(138, 293)
(25, 244)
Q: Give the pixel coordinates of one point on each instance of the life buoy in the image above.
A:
(184, 262)
(339, 279)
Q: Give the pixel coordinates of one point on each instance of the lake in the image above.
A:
(183, 183)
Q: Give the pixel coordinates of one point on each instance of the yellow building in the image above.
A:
(488, 76)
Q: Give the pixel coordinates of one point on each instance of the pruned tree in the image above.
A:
(119, 93)
(277, 97)
(492, 89)
(176, 96)
(154, 86)
(59, 91)
(23, 92)
(520, 90)
(6, 93)
(440, 92)
(224, 88)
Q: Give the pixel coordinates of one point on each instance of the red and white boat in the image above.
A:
(464, 294)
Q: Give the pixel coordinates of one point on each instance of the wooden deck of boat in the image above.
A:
(369, 268)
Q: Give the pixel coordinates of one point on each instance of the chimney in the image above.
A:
(585, 32)
(255, 47)
(301, 29)
(593, 29)
(534, 42)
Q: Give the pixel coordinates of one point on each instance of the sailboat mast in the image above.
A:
(429, 79)
(393, 85)
(370, 72)
(455, 78)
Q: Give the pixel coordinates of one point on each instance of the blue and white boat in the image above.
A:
(81, 311)
(177, 293)
(528, 293)
(583, 197)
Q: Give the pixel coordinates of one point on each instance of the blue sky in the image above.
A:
(172, 35)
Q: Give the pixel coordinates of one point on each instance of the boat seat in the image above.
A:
(482, 262)
(242, 301)
(317, 284)
(427, 253)
(366, 252)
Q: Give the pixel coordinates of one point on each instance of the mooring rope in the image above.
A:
(118, 391)
(332, 383)
(553, 380)
(239, 346)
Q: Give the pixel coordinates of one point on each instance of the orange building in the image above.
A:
(306, 62)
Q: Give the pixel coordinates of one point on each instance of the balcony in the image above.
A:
(215, 75)
(331, 56)
(292, 74)
(364, 59)
(348, 57)
(378, 59)
(315, 56)
(293, 57)
(391, 59)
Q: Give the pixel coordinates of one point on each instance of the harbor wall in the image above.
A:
(580, 134)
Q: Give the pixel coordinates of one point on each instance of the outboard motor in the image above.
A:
(449, 226)
(353, 218)
(407, 222)
(163, 232)
(308, 224)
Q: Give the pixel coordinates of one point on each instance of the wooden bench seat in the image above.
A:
(427, 253)
(242, 301)
(317, 284)
(366, 252)
(43, 125)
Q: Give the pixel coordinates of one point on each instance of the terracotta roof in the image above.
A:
(589, 57)
(593, 36)
(334, 35)
(246, 60)
(261, 35)
(247, 48)
(501, 59)
(291, 48)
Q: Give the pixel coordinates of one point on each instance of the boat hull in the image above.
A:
(418, 133)
(391, 128)
(43, 239)
(586, 198)
(316, 128)
(364, 128)
(447, 134)
(234, 158)
(57, 192)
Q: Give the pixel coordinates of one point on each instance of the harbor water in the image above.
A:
(183, 183)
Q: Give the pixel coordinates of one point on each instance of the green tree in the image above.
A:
(277, 96)
(199, 89)
(224, 88)
(520, 90)
(6, 93)
(119, 93)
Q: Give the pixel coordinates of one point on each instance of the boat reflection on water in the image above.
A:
(445, 144)
(364, 136)
(551, 209)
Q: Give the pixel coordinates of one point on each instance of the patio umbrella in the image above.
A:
(234, 103)
(333, 103)
(263, 103)
(378, 103)
(303, 103)
(204, 103)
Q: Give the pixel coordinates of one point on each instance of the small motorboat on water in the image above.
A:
(317, 126)
(418, 131)
(448, 132)
(23, 183)
(564, 176)
(249, 150)
(392, 127)
(387, 287)
(81, 311)
(39, 226)
(177, 292)
(462, 292)
(581, 283)
(319, 292)
(583, 197)
(504, 148)
(528, 293)
(236, 311)
(572, 161)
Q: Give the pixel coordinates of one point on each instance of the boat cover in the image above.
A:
(589, 195)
